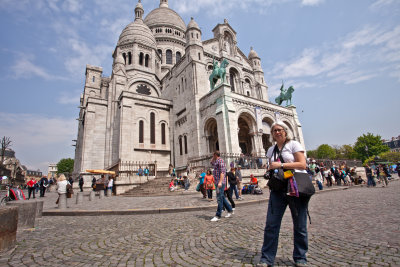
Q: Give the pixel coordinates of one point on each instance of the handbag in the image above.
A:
(304, 184)
(210, 186)
(276, 181)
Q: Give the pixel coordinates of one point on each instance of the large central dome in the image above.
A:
(164, 16)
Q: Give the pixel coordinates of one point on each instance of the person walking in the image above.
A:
(44, 183)
(81, 182)
(209, 183)
(293, 157)
(94, 183)
(31, 187)
(232, 186)
(146, 172)
(203, 189)
(238, 174)
(370, 178)
(219, 174)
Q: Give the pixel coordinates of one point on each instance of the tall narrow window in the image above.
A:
(160, 53)
(168, 55)
(178, 56)
(124, 56)
(232, 81)
(180, 145)
(152, 128)
(163, 133)
(146, 60)
(94, 78)
(129, 58)
(141, 58)
(141, 128)
(186, 150)
(199, 56)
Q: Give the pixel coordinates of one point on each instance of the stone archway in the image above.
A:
(211, 134)
(266, 127)
(246, 133)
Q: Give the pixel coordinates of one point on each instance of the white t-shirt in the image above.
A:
(289, 149)
(110, 183)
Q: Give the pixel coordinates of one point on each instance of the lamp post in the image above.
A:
(366, 149)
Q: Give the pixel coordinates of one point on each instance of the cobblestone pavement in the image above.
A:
(355, 227)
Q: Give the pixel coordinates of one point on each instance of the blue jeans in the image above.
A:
(277, 204)
(233, 188)
(371, 181)
(222, 202)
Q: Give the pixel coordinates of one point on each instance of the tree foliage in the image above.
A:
(312, 154)
(65, 166)
(5, 143)
(326, 152)
(369, 145)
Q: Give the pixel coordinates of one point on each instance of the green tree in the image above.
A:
(369, 145)
(393, 157)
(65, 166)
(348, 152)
(312, 154)
(325, 152)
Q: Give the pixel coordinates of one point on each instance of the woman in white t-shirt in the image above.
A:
(292, 153)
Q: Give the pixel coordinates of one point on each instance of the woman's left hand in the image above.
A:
(274, 165)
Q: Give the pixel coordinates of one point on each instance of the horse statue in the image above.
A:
(218, 73)
(285, 95)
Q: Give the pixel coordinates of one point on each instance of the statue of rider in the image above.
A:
(283, 91)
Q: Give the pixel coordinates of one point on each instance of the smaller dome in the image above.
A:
(253, 54)
(192, 24)
(137, 32)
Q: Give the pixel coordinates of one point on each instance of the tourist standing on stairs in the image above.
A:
(146, 173)
(219, 174)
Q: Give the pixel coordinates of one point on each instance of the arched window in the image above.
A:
(141, 129)
(178, 56)
(146, 60)
(152, 128)
(160, 53)
(124, 56)
(233, 75)
(180, 145)
(141, 56)
(168, 55)
(163, 133)
(186, 150)
(129, 58)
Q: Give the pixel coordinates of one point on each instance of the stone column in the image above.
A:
(8, 227)
(101, 192)
(109, 192)
(79, 198)
(62, 201)
(92, 195)
(26, 213)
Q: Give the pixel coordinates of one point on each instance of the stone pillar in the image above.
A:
(92, 195)
(79, 198)
(62, 201)
(101, 192)
(26, 213)
(8, 227)
(39, 208)
(109, 193)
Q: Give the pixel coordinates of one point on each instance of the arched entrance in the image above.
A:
(246, 140)
(266, 127)
(211, 134)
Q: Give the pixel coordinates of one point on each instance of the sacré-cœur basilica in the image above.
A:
(157, 108)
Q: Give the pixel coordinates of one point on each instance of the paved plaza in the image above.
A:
(359, 226)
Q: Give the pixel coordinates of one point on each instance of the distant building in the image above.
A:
(52, 172)
(37, 175)
(393, 144)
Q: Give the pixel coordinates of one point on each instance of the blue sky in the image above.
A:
(342, 57)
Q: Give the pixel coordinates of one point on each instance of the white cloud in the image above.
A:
(39, 139)
(84, 54)
(73, 6)
(355, 58)
(24, 68)
(311, 2)
(380, 3)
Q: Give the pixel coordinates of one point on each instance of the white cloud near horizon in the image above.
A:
(41, 138)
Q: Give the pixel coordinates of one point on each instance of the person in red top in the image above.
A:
(31, 187)
(171, 185)
(253, 180)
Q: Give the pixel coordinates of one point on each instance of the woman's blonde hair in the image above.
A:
(285, 128)
(61, 177)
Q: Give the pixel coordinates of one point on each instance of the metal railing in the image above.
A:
(230, 159)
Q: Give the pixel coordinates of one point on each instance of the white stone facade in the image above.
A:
(157, 104)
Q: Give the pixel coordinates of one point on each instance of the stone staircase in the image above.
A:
(155, 187)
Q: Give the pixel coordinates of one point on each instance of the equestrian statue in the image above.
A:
(285, 95)
(218, 73)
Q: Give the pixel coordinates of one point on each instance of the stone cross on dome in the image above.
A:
(163, 3)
